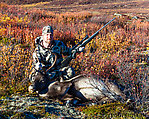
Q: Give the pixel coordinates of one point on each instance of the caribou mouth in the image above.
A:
(31, 89)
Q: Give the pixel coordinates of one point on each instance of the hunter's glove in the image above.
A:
(81, 49)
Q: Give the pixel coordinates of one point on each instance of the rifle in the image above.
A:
(82, 43)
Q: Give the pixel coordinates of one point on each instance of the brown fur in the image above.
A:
(83, 88)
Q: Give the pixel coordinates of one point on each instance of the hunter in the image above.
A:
(47, 57)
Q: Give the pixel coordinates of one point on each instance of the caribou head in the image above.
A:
(38, 83)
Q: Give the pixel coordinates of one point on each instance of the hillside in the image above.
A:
(137, 8)
(61, 2)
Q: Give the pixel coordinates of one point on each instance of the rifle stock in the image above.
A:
(85, 41)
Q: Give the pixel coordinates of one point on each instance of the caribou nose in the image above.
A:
(31, 89)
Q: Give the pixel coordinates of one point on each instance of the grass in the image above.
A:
(112, 110)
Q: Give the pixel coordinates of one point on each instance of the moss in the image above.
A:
(6, 113)
(111, 110)
(37, 110)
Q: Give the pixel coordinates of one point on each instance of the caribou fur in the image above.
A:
(82, 88)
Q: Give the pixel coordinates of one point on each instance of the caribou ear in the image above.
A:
(58, 89)
(62, 87)
(65, 86)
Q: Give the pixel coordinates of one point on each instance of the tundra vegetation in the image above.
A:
(120, 53)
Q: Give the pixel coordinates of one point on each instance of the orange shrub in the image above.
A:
(119, 52)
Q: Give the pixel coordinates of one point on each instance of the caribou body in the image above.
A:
(83, 88)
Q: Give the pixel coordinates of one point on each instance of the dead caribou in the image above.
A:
(81, 88)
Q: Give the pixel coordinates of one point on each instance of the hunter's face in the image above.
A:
(48, 37)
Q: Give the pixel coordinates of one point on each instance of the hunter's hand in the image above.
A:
(77, 51)
(81, 49)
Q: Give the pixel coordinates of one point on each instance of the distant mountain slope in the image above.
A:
(139, 8)
(56, 2)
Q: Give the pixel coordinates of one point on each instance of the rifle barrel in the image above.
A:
(90, 38)
(104, 26)
(80, 42)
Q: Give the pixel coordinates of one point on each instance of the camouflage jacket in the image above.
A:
(43, 57)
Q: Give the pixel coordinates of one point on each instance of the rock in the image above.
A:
(33, 107)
